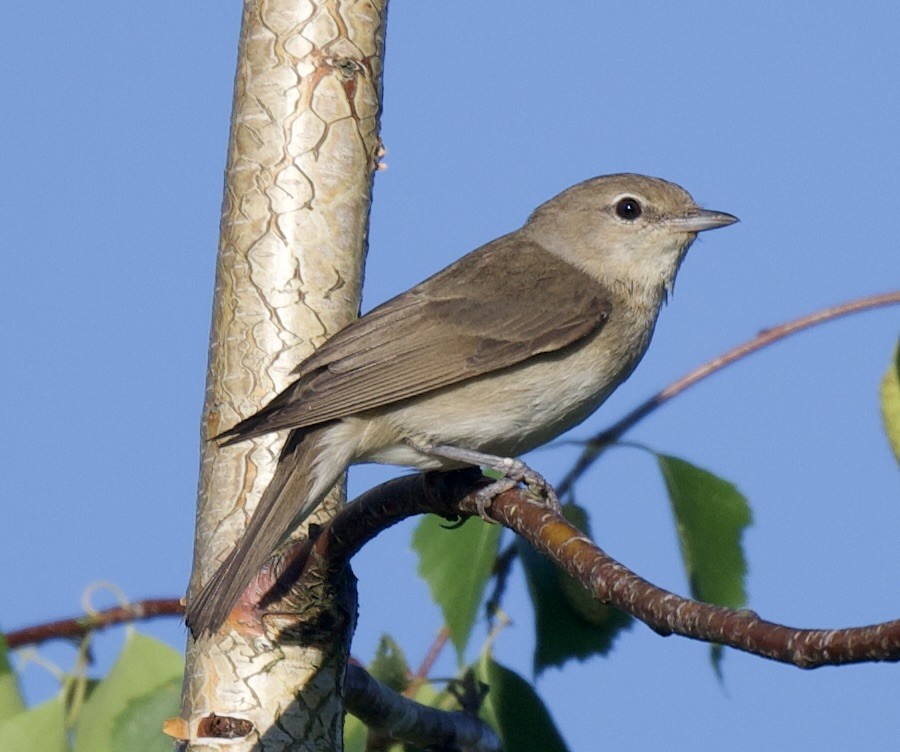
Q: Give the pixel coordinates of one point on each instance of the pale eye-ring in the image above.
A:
(629, 208)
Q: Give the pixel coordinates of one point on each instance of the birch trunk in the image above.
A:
(303, 148)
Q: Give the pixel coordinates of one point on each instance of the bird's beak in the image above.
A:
(700, 220)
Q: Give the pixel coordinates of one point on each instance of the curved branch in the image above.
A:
(383, 709)
(599, 442)
(612, 583)
(452, 494)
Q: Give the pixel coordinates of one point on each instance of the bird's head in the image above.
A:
(627, 230)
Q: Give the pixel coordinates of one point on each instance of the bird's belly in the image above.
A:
(505, 413)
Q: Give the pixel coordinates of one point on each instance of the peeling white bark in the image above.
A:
(303, 147)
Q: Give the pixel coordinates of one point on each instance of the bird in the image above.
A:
(497, 354)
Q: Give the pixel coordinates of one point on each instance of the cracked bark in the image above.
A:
(303, 147)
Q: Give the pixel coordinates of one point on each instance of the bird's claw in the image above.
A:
(485, 496)
(514, 472)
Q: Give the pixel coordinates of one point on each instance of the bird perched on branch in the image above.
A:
(499, 353)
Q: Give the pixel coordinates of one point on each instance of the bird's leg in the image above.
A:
(514, 471)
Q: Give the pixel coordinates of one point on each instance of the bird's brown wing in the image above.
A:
(491, 309)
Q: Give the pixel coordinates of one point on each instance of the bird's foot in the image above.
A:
(514, 471)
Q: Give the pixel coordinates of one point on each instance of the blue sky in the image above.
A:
(112, 149)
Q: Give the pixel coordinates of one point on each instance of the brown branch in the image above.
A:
(599, 442)
(612, 583)
(431, 657)
(385, 710)
(82, 625)
(331, 546)
(451, 495)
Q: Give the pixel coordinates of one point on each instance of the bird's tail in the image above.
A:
(307, 468)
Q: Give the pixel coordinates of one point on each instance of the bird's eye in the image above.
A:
(629, 208)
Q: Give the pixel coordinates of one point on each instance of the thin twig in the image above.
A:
(432, 656)
(80, 626)
(598, 443)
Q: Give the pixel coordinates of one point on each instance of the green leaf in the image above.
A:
(11, 702)
(390, 666)
(138, 727)
(890, 402)
(515, 711)
(144, 666)
(355, 734)
(456, 564)
(41, 729)
(426, 694)
(716, 654)
(710, 514)
(569, 621)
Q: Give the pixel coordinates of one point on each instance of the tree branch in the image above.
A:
(452, 495)
(612, 583)
(431, 657)
(80, 626)
(382, 709)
